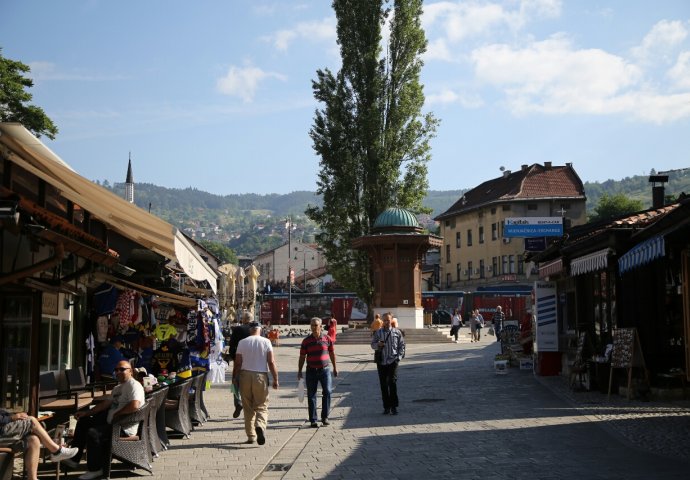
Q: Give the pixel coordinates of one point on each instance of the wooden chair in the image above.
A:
(8, 449)
(63, 404)
(134, 450)
(77, 383)
(157, 401)
(177, 408)
(196, 413)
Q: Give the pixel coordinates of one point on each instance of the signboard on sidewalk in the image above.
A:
(546, 313)
(526, 227)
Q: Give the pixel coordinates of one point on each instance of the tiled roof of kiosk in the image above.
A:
(530, 182)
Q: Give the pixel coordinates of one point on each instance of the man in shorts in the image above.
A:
(23, 427)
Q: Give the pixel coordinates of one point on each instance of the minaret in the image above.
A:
(129, 182)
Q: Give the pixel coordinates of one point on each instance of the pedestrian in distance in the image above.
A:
(29, 430)
(239, 332)
(253, 360)
(94, 426)
(455, 324)
(498, 320)
(316, 349)
(332, 329)
(480, 324)
(389, 344)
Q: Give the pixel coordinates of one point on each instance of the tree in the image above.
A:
(610, 206)
(370, 132)
(14, 99)
(224, 254)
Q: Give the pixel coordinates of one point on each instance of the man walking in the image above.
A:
(239, 332)
(253, 360)
(316, 349)
(391, 344)
(498, 319)
(94, 427)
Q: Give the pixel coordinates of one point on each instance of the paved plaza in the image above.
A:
(458, 419)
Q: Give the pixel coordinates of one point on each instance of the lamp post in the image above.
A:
(289, 226)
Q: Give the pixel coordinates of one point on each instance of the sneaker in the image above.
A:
(260, 439)
(70, 463)
(325, 422)
(386, 411)
(394, 411)
(63, 454)
(238, 410)
(92, 475)
(314, 425)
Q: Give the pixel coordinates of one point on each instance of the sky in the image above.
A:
(216, 94)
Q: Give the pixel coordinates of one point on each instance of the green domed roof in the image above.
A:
(396, 218)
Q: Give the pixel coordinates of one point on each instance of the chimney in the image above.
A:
(569, 164)
(658, 190)
(506, 173)
(524, 167)
(547, 165)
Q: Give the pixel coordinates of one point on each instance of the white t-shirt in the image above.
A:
(254, 350)
(456, 320)
(122, 394)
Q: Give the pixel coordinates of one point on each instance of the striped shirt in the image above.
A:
(394, 348)
(316, 350)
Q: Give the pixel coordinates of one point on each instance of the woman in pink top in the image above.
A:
(332, 327)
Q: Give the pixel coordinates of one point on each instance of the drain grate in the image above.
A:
(278, 467)
(429, 400)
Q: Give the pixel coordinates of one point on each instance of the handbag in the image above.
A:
(491, 331)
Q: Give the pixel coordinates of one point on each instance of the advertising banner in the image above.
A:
(526, 227)
(546, 314)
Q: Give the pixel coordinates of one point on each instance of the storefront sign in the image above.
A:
(49, 304)
(546, 313)
(533, 227)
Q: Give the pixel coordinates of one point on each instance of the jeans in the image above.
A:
(313, 378)
(388, 378)
(93, 433)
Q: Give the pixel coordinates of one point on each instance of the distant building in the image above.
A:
(273, 264)
(475, 252)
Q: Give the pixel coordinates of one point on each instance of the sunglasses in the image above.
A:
(121, 369)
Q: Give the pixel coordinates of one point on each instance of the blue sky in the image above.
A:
(216, 95)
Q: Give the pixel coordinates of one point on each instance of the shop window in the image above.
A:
(15, 351)
(55, 354)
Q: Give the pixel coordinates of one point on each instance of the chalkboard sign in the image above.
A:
(627, 353)
(623, 348)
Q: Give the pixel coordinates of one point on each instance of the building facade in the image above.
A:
(476, 253)
(303, 258)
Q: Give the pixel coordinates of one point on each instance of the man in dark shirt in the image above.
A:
(316, 349)
(389, 340)
(239, 332)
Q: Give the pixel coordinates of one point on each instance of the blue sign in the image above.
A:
(530, 227)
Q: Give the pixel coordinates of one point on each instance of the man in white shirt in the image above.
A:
(253, 360)
(94, 427)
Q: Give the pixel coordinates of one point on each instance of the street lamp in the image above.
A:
(289, 226)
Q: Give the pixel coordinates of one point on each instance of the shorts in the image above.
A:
(17, 429)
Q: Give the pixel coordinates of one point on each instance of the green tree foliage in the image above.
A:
(225, 254)
(370, 132)
(14, 99)
(611, 206)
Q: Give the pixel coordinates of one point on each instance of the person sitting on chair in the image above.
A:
(94, 427)
(28, 429)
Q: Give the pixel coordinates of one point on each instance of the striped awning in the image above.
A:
(551, 268)
(590, 263)
(642, 253)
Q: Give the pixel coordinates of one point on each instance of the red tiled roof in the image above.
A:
(533, 182)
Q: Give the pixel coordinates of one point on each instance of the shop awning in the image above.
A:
(115, 212)
(590, 263)
(551, 268)
(642, 253)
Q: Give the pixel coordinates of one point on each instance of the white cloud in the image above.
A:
(680, 72)
(317, 31)
(447, 96)
(460, 20)
(660, 41)
(243, 82)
